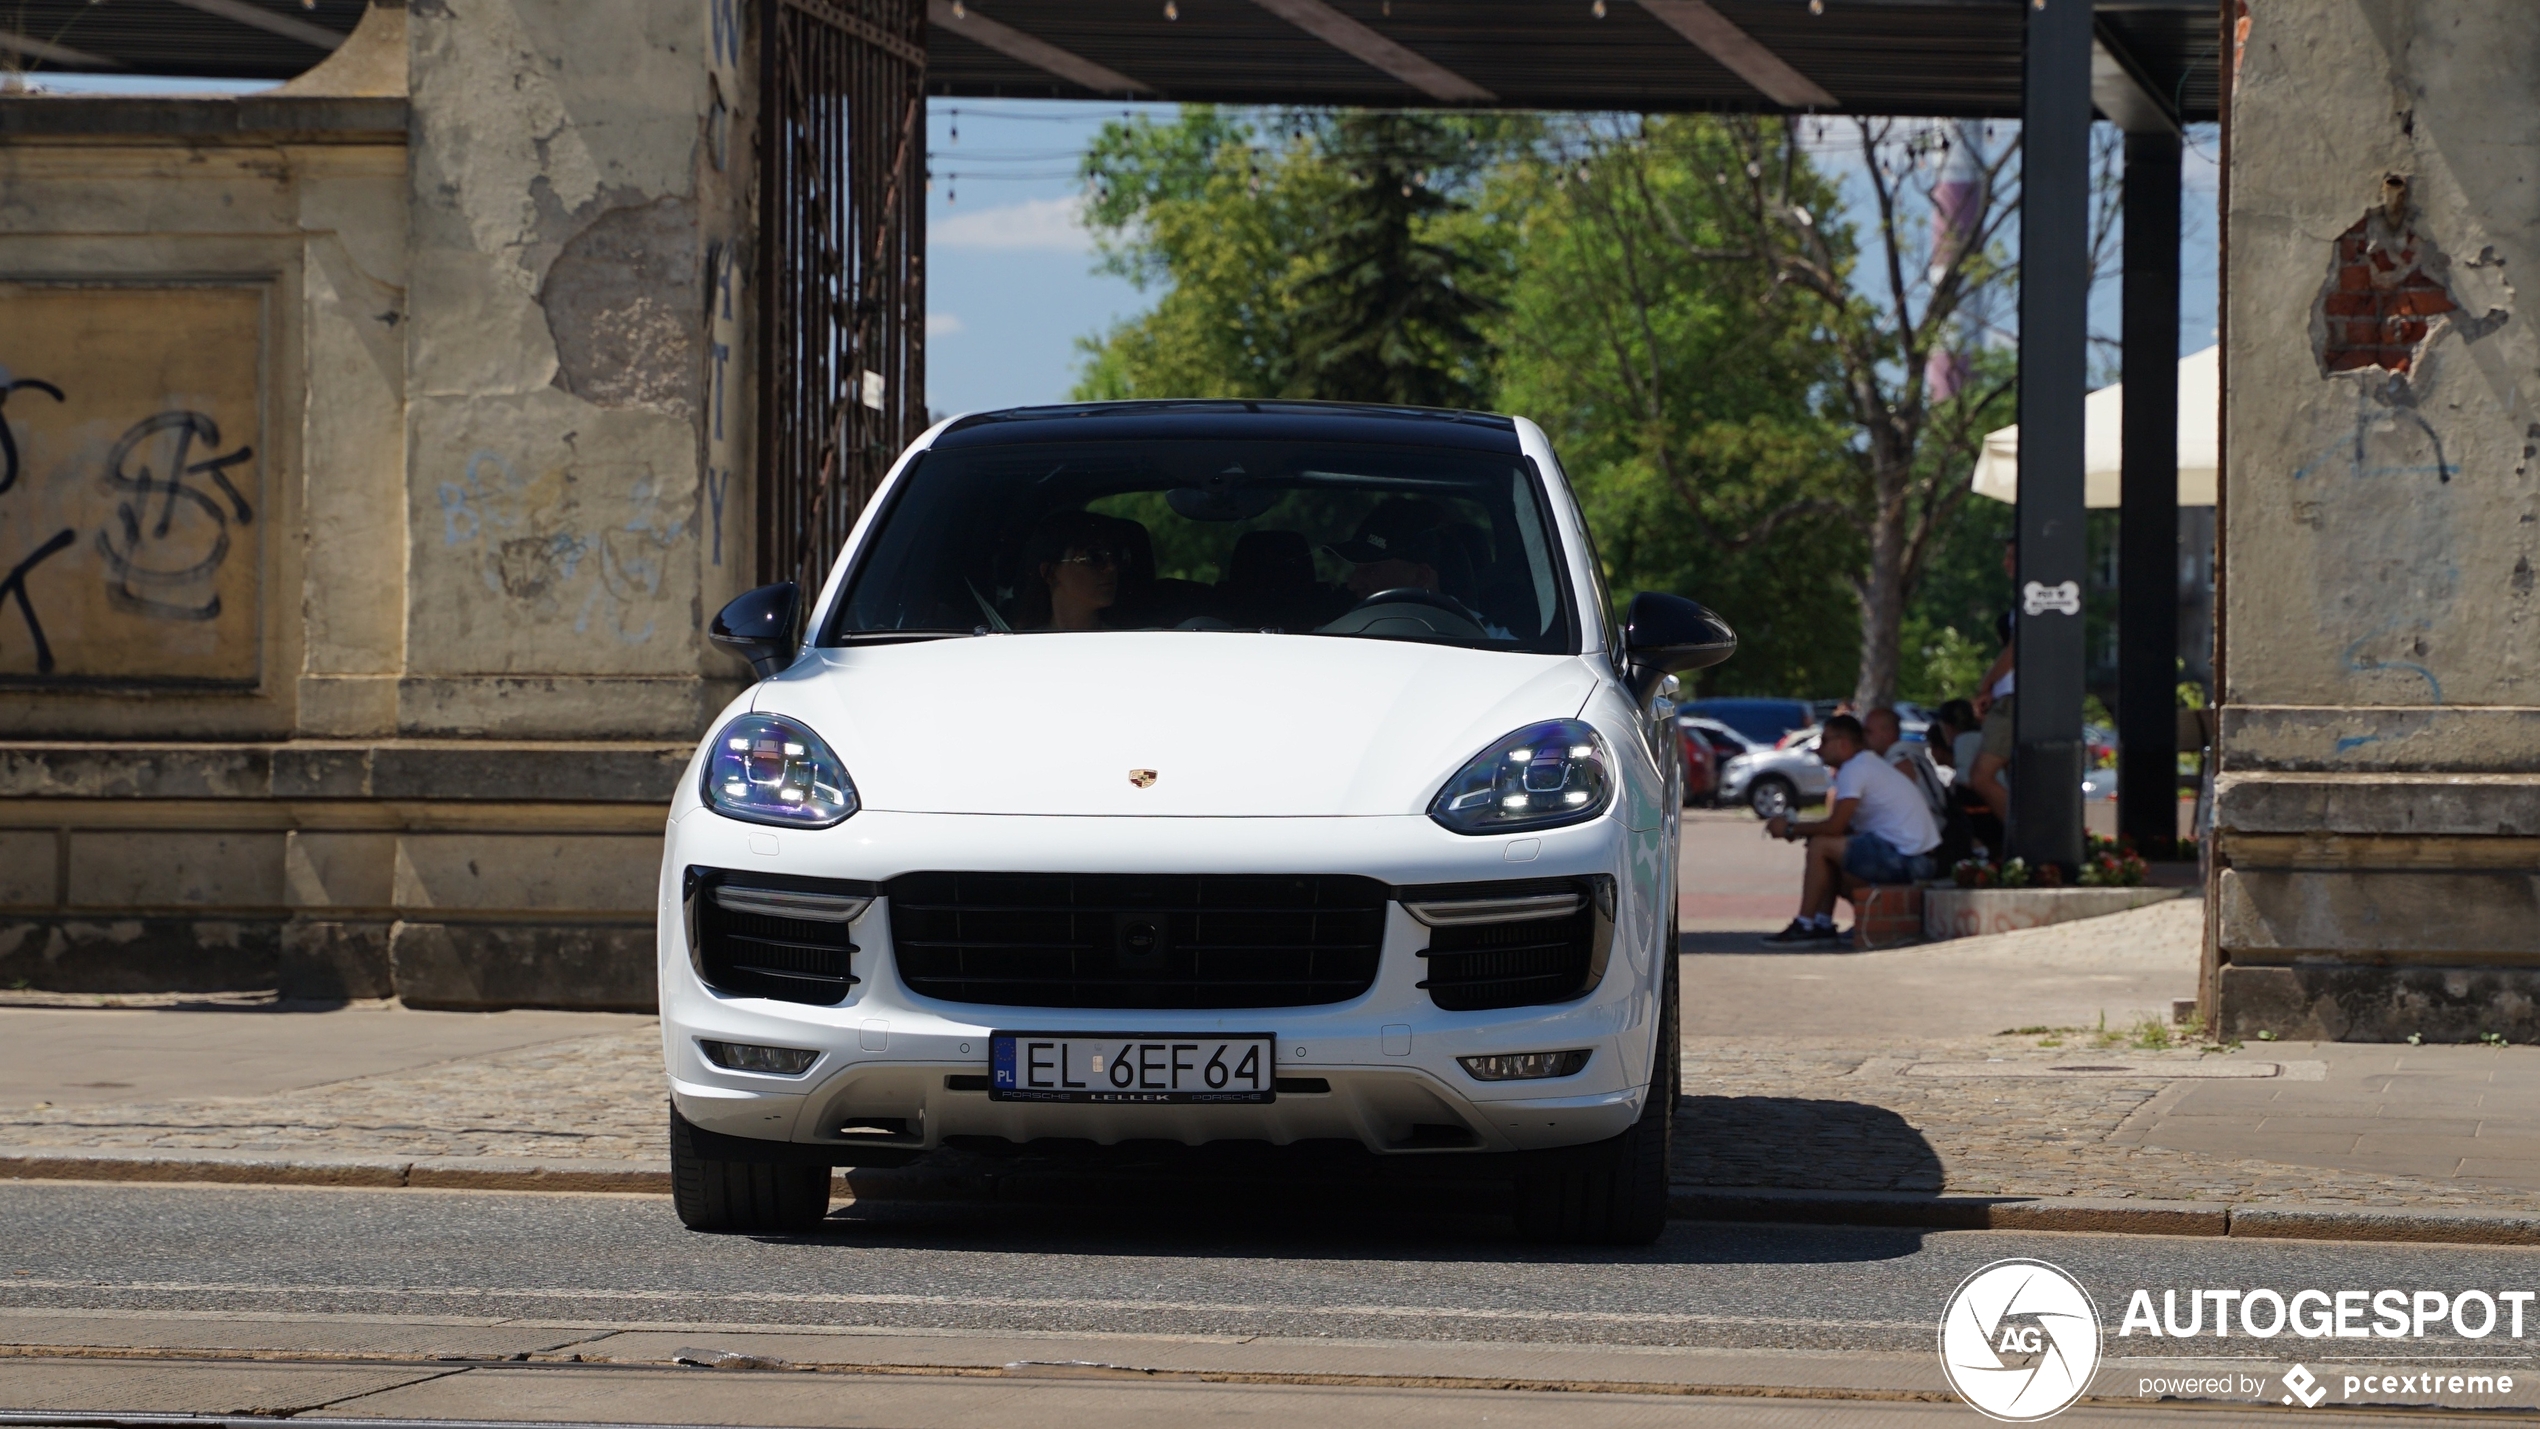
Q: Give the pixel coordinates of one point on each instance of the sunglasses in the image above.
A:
(1098, 556)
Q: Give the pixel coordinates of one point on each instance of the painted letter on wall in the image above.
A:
(132, 504)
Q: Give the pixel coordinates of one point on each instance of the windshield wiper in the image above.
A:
(893, 637)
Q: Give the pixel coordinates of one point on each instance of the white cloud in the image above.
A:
(1050, 225)
(942, 324)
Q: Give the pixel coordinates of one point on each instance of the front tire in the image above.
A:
(745, 1196)
(1772, 797)
(1615, 1192)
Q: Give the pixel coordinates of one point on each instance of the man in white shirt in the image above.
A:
(1880, 831)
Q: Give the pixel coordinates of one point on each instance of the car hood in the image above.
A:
(1233, 725)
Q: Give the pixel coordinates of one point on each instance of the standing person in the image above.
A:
(1993, 704)
(1880, 831)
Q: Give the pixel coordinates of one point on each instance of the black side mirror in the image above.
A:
(759, 625)
(1666, 633)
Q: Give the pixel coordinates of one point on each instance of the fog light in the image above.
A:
(783, 1061)
(1525, 1066)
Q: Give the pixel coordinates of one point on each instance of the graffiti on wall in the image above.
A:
(130, 483)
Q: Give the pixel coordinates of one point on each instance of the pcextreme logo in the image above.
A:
(2019, 1341)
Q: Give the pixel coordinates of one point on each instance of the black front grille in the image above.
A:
(756, 954)
(1137, 940)
(1523, 962)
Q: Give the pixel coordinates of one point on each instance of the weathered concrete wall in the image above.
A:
(2380, 730)
(373, 674)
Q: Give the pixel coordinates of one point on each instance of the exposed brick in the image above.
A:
(2375, 307)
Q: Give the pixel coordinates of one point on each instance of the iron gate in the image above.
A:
(842, 247)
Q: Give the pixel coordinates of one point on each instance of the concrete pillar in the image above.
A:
(2378, 801)
(2148, 530)
(392, 700)
(568, 190)
(2054, 325)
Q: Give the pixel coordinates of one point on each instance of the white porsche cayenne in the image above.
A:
(1194, 771)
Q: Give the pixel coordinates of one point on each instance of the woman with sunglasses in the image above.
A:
(1077, 562)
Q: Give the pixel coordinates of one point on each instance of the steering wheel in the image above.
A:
(1407, 611)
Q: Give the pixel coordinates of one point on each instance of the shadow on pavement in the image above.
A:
(1801, 1143)
(1327, 1201)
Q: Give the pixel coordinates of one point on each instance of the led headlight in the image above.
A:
(1546, 774)
(772, 770)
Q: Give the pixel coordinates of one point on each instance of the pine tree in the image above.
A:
(1389, 312)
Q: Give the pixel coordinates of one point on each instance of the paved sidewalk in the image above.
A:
(1894, 1073)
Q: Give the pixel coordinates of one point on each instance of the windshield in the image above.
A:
(1285, 537)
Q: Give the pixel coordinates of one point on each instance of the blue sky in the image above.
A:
(1011, 282)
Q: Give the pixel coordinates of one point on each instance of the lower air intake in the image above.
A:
(1477, 962)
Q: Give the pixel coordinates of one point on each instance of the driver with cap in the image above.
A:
(1399, 546)
(1404, 544)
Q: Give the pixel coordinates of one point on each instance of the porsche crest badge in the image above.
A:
(1142, 777)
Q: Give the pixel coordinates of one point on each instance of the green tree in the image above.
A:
(1873, 297)
(1321, 256)
(1388, 313)
(1684, 400)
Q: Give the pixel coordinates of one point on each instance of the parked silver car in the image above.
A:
(1764, 778)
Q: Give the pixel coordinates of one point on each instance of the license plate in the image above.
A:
(1131, 1067)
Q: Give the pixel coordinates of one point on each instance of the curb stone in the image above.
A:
(1906, 1209)
(1964, 1213)
(480, 1173)
(1894, 1209)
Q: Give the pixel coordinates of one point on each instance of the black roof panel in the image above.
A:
(1258, 421)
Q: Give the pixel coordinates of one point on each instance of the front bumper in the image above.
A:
(896, 1070)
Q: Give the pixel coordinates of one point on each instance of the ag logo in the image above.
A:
(2019, 1340)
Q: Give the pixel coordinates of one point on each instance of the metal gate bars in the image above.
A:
(842, 247)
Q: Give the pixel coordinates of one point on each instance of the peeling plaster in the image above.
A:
(623, 303)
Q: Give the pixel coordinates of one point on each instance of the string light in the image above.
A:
(1816, 7)
(1172, 11)
(956, 126)
(960, 11)
(1597, 9)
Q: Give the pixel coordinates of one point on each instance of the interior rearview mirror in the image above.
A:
(1665, 633)
(759, 626)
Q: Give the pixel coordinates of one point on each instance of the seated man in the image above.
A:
(1885, 734)
(1880, 831)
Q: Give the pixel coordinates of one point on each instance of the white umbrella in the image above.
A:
(1997, 472)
